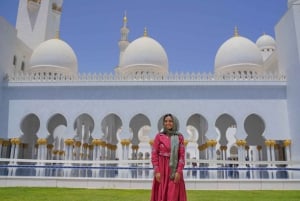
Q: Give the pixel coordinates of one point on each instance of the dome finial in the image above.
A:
(145, 31)
(236, 32)
(125, 18)
(57, 35)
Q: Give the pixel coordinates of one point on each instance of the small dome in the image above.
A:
(53, 55)
(239, 52)
(144, 52)
(266, 41)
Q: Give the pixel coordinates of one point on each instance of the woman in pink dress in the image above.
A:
(168, 160)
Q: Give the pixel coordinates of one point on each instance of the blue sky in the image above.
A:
(190, 31)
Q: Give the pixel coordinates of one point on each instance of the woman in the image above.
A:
(168, 159)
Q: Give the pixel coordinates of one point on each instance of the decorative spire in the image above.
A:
(124, 29)
(125, 19)
(145, 31)
(236, 32)
(57, 35)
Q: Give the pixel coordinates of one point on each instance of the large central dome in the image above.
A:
(144, 55)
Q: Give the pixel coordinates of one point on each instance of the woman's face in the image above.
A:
(168, 123)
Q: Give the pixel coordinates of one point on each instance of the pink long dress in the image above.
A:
(167, 189)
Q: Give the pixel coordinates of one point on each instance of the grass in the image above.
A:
(72, 194)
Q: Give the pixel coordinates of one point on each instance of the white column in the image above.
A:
(69, 154)
(213, 174)
(14, 155)
(241, 157)
(1, 144)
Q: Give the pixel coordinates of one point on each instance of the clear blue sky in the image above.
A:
(191, 31)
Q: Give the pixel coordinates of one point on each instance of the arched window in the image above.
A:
(23, 66)
(15, 60)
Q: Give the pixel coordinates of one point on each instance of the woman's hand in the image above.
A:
(177, 177)
(157, 177)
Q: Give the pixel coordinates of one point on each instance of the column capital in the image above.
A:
(50, 146)
(85, 145)
(202, 147)
(69, 141)
(135, 147)
(211, 143)
(42, 141)
(98, 142)
(6, 143)
(241, 142)
(15, 141)
(287, 142)
(77, 143)
(223, 148)
(125, 142)
(270, 143)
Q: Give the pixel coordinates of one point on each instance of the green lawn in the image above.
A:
(71, 194)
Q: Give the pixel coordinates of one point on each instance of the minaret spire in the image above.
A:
(123, 43)
(124, 29)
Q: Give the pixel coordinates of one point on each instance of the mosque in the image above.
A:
(247, 109)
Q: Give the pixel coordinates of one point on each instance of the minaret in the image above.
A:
(123, 43)
(287, 34)
(38, 20)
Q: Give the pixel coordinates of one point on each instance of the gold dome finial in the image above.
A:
(125, 17)
(57, 35)
(145, 31)
(236, 32)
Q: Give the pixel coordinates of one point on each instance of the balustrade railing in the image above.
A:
(108, 77)
(142, 169)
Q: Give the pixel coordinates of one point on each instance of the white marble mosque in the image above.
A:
(245, 112)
